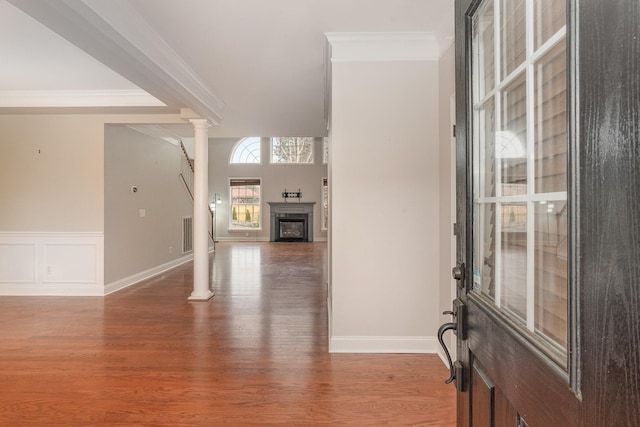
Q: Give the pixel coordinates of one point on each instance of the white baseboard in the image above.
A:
(138, 277)
(257, 239)
(392, 344)
(242, 239)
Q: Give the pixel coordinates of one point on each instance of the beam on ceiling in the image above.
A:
(115, 34)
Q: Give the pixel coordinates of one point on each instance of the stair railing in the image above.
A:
(186, 174)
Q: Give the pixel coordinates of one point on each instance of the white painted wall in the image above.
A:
(51, 173)
(135, 244)
(384, 206)
(275, 179)
(447, 189)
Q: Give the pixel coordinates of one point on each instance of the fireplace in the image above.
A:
(291, 222)
(292, 229)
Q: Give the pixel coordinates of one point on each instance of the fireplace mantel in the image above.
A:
(282, 210)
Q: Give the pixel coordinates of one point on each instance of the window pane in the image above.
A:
(247, 151)
(549, 17)
(325, 204)
(484, 49)
(551, 121)
(512, 139)
(325, 150)
(513, 258)
(245, 205)
(551, 270)
(513, 35)
(291, 150)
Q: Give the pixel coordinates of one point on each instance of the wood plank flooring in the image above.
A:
(254, 354)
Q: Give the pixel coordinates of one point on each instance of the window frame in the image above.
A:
(481, 96)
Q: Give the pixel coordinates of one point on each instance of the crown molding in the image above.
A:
(373, 47)
(78, 98)
(115, 33)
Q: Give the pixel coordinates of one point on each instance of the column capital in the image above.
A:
(200, 123)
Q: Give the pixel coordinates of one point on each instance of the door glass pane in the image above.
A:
(512, 139)
(483, 38)
(551, 120)
(484, 252)
(513, 26)
(513, 258)
(520, 160)
(487, 136)
(551, 270)
(549, 17)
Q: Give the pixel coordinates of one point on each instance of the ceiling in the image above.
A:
(253, 67)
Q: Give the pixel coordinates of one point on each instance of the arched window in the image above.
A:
(247, 150)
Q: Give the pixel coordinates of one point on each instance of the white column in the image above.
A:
(201, 290)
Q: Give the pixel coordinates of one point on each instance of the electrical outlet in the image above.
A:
(170, 249)
(142, 213)
(49, 270)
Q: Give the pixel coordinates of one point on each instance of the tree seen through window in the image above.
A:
(292, 150)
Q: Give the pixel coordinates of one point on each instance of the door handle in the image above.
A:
(458, 326)
(444, 328)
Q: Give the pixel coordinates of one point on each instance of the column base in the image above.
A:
(201, 298)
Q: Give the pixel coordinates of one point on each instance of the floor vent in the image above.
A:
(187, 234)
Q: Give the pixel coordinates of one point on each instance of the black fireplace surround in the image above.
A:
(291, 222)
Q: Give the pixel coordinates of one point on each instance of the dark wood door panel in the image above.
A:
(539, 391)
(482, 398)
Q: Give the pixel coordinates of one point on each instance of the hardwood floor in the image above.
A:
(254, 354)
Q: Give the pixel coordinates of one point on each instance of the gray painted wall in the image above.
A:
(133, 244)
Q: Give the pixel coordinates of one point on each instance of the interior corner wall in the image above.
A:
(143, 229)
(447, 291)
(275, 179)
(384, 206)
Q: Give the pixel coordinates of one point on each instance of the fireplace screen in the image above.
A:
(292, 230)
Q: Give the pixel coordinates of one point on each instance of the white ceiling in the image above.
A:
(254, 66)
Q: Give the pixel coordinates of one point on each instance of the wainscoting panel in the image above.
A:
(17, 262)
(59, 270)
(66, 264)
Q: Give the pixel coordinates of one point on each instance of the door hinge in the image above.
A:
(454, 130)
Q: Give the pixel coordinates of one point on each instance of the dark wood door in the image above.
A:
(548, 212)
